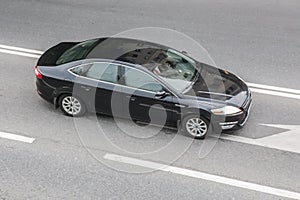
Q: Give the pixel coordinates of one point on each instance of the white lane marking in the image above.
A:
(288, 140)
(21, 49)
(204, 176)
(275, 93)
(285, 141)
(18, 53)
(15, 137)
(258, 88)
(275, 88)
(236, 138)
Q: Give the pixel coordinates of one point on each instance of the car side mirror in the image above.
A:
(184, 52)
(161, 94)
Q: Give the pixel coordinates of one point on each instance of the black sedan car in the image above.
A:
(142, 81)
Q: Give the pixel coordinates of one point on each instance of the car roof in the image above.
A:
(118, 43)
(126, 50)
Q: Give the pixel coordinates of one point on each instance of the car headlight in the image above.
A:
(226, 110)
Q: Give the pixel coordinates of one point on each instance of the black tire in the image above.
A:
(203, 122)
(81, 111)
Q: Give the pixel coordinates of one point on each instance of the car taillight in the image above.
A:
(37, 73)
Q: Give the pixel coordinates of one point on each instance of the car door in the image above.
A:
(98, 83)
(108, 90)
(85, 88)
(145, 98)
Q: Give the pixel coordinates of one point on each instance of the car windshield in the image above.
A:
(77, 52)
(177, 69)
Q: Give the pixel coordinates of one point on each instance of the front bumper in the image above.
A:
(235, 122)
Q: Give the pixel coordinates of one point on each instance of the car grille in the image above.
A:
(246, 108)
(247, 103)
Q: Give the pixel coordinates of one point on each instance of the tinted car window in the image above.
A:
(77, 52)
(138, 79)
(100, 71)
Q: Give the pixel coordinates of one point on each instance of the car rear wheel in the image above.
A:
(196, 126)
(72, 106)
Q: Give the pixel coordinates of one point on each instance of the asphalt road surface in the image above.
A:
(64, 158)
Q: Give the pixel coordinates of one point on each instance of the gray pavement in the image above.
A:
(48, 170)
(257, 40)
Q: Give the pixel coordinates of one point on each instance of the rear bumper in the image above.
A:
(45, 91)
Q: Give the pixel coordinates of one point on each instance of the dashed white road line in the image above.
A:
(21, 49)
(15, 137)
(203, 176)
(275, 93)
(275, 88)
(258, 88)
(18, 53)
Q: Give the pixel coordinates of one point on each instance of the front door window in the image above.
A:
(140, 80)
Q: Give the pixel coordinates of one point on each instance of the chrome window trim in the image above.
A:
(117, 84)
(215, 93)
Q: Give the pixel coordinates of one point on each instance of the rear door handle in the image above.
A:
(86, 88)
(131, 98)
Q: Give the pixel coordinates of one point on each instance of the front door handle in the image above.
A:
(86, 88)
(180, 105)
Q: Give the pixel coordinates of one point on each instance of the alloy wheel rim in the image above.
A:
(71, 105)
(196, 127)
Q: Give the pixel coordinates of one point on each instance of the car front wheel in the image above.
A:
(196, 126)
(72, 106)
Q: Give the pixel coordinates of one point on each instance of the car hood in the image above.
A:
(219, 85)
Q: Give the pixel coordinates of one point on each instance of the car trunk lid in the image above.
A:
(50, 57)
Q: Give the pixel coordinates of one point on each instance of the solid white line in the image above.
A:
(15, 137)
(21, 49)
(19, 53)
(269, 87)
(274, 93)
(287, 141)
(204, 176)
(240, 139)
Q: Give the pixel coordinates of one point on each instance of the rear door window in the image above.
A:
(99, 71)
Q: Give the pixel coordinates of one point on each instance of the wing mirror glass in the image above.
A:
(161, 94)
(184, 52)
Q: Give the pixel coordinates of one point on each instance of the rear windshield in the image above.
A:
(77, 52)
